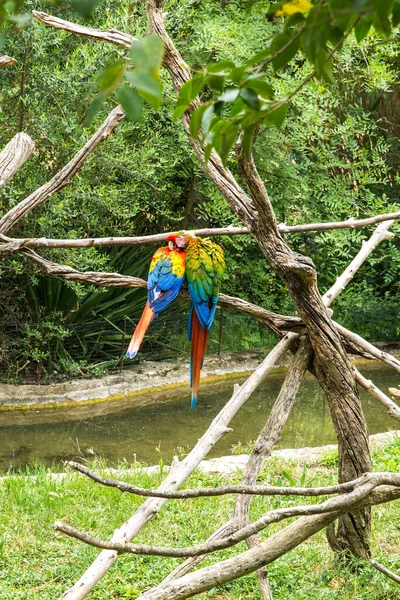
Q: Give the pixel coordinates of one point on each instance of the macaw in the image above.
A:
(166, 276)
(205, 266)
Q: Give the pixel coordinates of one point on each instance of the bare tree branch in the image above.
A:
(393, 409)
(100, 278)
(384, 570)
(63, 177)
(380, 234)
(161, 237)
(271, 433)
(363, 344)
(318, 516)
(6, 61)
(271, 549)
(349, 224)
(17, 151)
(254, 490)
(112, 36)
(176, 477)
(362, 487)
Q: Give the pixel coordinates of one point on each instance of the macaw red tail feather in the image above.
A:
(139, 333)
(199, 340)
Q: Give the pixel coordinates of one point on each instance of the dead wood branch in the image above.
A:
(380, 234)
(112, 36)
(99, 278)
(266, 440)
(361, 489)
(6, 61)
(332, 365)
(372, 350)
(348, 224)
(63, 177)
(278, 324)
(17, 151)
(384, 570)
(161, 237)
(176, 477)
(340, 503)
(271, 549)
(255, 490)
(368, 385)
(277, 545)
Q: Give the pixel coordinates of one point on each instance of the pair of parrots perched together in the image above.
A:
(202, 261)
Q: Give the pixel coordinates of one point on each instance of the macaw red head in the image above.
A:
(179, 239)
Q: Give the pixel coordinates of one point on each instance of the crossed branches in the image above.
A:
(255, 211)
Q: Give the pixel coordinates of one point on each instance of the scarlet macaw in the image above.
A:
(166, 276)
(205, 266)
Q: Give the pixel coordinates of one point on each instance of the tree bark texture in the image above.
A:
(17, 151)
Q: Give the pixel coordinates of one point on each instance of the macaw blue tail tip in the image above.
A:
(194, 402)
(131, 354)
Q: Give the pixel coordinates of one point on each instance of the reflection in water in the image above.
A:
(138, 432)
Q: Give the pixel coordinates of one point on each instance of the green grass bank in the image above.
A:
(36, 562)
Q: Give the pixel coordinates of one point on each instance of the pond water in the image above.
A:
(146, 433)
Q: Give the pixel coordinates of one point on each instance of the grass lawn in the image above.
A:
(37, 562)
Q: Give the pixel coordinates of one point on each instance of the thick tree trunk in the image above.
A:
(332, 366)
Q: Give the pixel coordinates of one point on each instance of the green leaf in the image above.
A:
(187, 93)
(110, 76)
(396, 14)
(362, 28)
(237, 107)
(294, 20)
(276, 6)
(342, 11)
(316, 33)
(228, 139)
(247, 139)
(261, 87)
(147, 85)
(207, 118)
(280, 41)
(237, 74)
(147, 53)
(216, 82)
(220, 67)
(382, 25)
(276, 116)
(259, 57)
(95, 106)
(324, 67)
(2, 41)
(131, 103)
(230, 95)
(195, 121)
(250, 98)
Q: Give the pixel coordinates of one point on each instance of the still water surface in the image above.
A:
(146, 433)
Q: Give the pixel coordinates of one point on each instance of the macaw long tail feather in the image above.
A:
(139, 333)
(199, 340)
